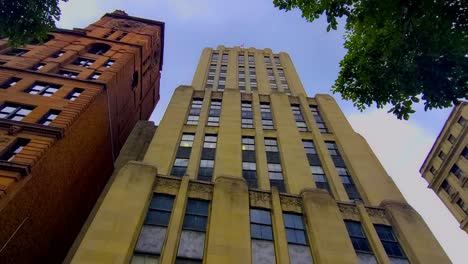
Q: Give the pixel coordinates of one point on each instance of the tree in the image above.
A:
(398, 51)
(24, 20)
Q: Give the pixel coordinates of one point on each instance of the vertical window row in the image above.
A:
(360, 242)
(389, 242)
(298, 246)
(249, 165)
(275, 171)
(252, 77)
(222, 78)
(277, 61)
(300, 122)
(211, 76)
(251, 59)
(318, 119)
(215, 112)
(267, 118)
(225, 57)
(241, 78)
(316, 166)
(247, 115)
(151, 239)
(183, 155)
(283, 81)
(267, 60)
(205, 171)
(261, 233)
(192, 238)
(272, 80)
(195, 109)
(340, 166)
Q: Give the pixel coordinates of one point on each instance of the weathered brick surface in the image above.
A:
(41, 213)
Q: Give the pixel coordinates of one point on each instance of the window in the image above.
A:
(49, 117)
(108, 34)
(16, 52)
(94, 76)
(465, 153)
(241, 59)
(83, 62)
(192, 240)
(249, 165)
(75, 93)
(14, 112)
(452, 139)
(58, 54)
(154, 227)
(253, 78)
(247, 115)
(68, 74)
(215, 112)
(389, 241)
(183, 155)
(251, 59)
(194, 113)
(309, 147)
(340, 166)
(462, 121)
(318, 119)
(267, 118)
(224, 58)
(272, 79)
(277, 61)
(214, 57)
(300, 123)
(275, 171)
(38, 66)
(10, 83)
(44, 89)
(267, 61)
(320, 178)
(17, 147)
(442, 155)
(446, 187)
(109, 63)
(260, 224)
(205, 171)
(433, 171)
(456, 171)
(357, 236)
(159, 211)
(295, 230)
(99, 48)
(461, 203)
(121, 36)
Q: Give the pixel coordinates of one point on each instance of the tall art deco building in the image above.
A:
(246, 168)
(67, 107)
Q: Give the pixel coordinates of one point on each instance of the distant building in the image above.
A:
(66, 108)
(246, 168)
(446, 166)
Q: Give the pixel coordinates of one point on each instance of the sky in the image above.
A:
(192, 25)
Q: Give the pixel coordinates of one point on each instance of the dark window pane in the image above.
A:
(198, 207)
(157, 218)
(256, 231)
(267, 232)
(260, 216)
(162, 202)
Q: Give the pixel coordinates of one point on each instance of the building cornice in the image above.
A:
(38, 129)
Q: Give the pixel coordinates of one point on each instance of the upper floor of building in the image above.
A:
(446, 166)
(247, 70)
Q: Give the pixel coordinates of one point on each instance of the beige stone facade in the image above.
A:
(446, 166)
(245, 168)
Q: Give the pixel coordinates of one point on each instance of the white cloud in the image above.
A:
(402, 146)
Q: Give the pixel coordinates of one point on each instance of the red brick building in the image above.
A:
(66, 108)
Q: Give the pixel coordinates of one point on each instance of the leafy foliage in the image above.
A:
(398, 51)
(25, 20)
